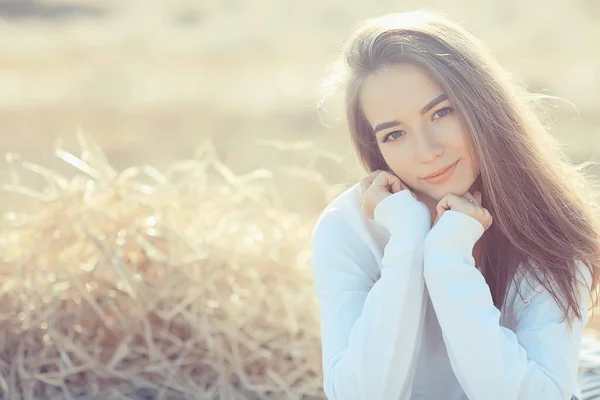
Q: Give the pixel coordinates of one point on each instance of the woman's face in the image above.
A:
(418, 131)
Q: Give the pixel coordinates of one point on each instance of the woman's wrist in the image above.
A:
(401, 211)
(454, 231)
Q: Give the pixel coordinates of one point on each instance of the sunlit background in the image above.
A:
(149, 81)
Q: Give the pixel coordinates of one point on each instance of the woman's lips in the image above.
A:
(443, 177)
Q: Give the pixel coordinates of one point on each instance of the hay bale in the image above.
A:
(187, 283)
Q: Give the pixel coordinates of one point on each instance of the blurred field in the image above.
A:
(150, 80)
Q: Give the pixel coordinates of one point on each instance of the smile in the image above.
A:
(443, 176)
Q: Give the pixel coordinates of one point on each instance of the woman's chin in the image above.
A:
(438, 193)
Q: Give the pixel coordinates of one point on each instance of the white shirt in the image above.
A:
(406, 315)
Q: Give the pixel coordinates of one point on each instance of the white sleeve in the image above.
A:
(538, 360)
(371, 328)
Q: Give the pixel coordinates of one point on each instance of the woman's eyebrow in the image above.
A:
(427, 107)
(434, 103)
(385, 125)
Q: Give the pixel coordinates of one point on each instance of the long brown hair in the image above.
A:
(545, 216)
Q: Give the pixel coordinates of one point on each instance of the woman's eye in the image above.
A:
(442, 112)
(393, 135)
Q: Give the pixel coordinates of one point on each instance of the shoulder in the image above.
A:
(343, 237)
(527, 287)
(528, 284)
(343, 212)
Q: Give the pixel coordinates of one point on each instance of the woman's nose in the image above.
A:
(428, 148)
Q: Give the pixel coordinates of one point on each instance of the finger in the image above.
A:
(364, 185)
(470, 198)
(478, 197)
(389, 182)
(442, 205)
(448, 202)
(382, 182)
(371, 177)
(401, 185)
(367, 181)
(394, 182)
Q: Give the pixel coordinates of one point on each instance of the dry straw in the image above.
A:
(191, 283)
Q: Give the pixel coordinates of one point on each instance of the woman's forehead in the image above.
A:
(400, 87)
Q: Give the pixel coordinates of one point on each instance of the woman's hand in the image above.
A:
(467, 204)
(377, 186)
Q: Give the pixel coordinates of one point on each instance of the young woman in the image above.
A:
(463, 265)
